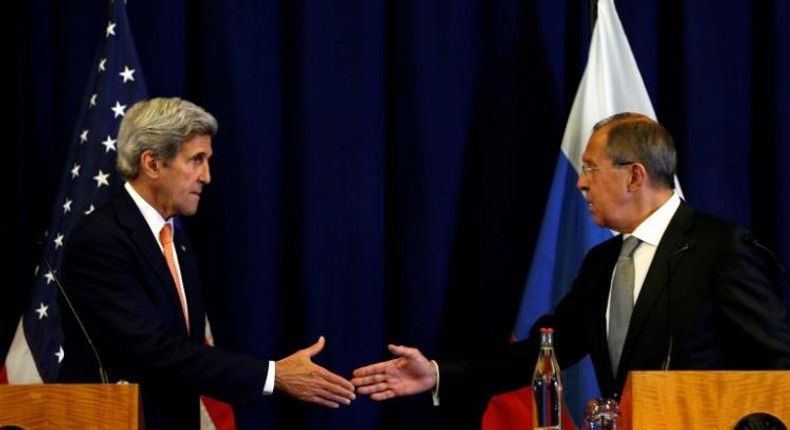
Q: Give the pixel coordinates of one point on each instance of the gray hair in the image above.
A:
(161, 125)
(636, 138)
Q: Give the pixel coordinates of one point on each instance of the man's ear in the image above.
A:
(637, 176)
(150, 164)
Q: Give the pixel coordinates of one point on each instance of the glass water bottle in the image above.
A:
(547, 385)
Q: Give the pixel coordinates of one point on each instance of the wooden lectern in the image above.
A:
(696, 400)
(71, 406)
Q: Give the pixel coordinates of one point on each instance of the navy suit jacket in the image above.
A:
(116, 277)
(711, 293)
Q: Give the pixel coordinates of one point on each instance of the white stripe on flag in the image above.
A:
(611, 83)
(206, 423)
(20, 366)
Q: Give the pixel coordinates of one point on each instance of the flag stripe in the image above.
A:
(20, 368)
(214, 415)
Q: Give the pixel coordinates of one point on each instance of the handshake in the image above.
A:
(409, 373)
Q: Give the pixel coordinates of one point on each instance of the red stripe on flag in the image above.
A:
(510, 410)
(221, 413)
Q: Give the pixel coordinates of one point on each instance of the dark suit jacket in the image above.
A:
(722, 296)
(118, 281)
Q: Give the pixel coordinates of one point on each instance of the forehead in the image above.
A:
(197, 145)
(596, 146)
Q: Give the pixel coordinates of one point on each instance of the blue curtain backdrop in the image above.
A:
(381, 167)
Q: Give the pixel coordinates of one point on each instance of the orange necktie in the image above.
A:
(166, 236)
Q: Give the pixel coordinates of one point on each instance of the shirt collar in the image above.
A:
(152, 217)
(652, 229)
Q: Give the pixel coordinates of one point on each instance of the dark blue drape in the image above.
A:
(381, 167)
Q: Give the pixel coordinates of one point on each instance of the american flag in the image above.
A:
(89, 178)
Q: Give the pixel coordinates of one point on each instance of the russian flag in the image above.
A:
(611, 83)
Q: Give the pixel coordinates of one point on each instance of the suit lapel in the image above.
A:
(670, 249)
(602, 303)
(131, 218)
(189, 276)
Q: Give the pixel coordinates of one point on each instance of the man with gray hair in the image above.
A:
(675, 289)
(132, 280)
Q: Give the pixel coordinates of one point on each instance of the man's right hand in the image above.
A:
(298, 376)
(410, 373)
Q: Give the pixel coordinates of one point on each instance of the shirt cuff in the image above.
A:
(435, 391)
(268, 387)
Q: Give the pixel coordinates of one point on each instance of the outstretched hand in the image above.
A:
(298, 376)
(410, 373)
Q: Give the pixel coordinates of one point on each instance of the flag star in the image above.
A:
(42, 311)
(110, 29)
(90, 209)
(102, 64)
(119, 109)
(75, 171)
(93, 100)
(58, 241)
(84, 135)
(101, 179)
(109, 144)
(183, 248)
(128, 74)
(35, 271)
(60, 354)
(50, 276)
(67, 206)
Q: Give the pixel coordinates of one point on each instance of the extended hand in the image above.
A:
(410, 373)
(298, 376)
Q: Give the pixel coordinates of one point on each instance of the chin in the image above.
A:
(190, 211)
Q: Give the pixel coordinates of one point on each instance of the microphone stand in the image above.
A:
(102, 372)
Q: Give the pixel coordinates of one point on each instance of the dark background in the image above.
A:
(381, 167)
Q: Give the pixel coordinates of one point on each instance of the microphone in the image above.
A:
(102, 372)
(683, 248)
(750, 240)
